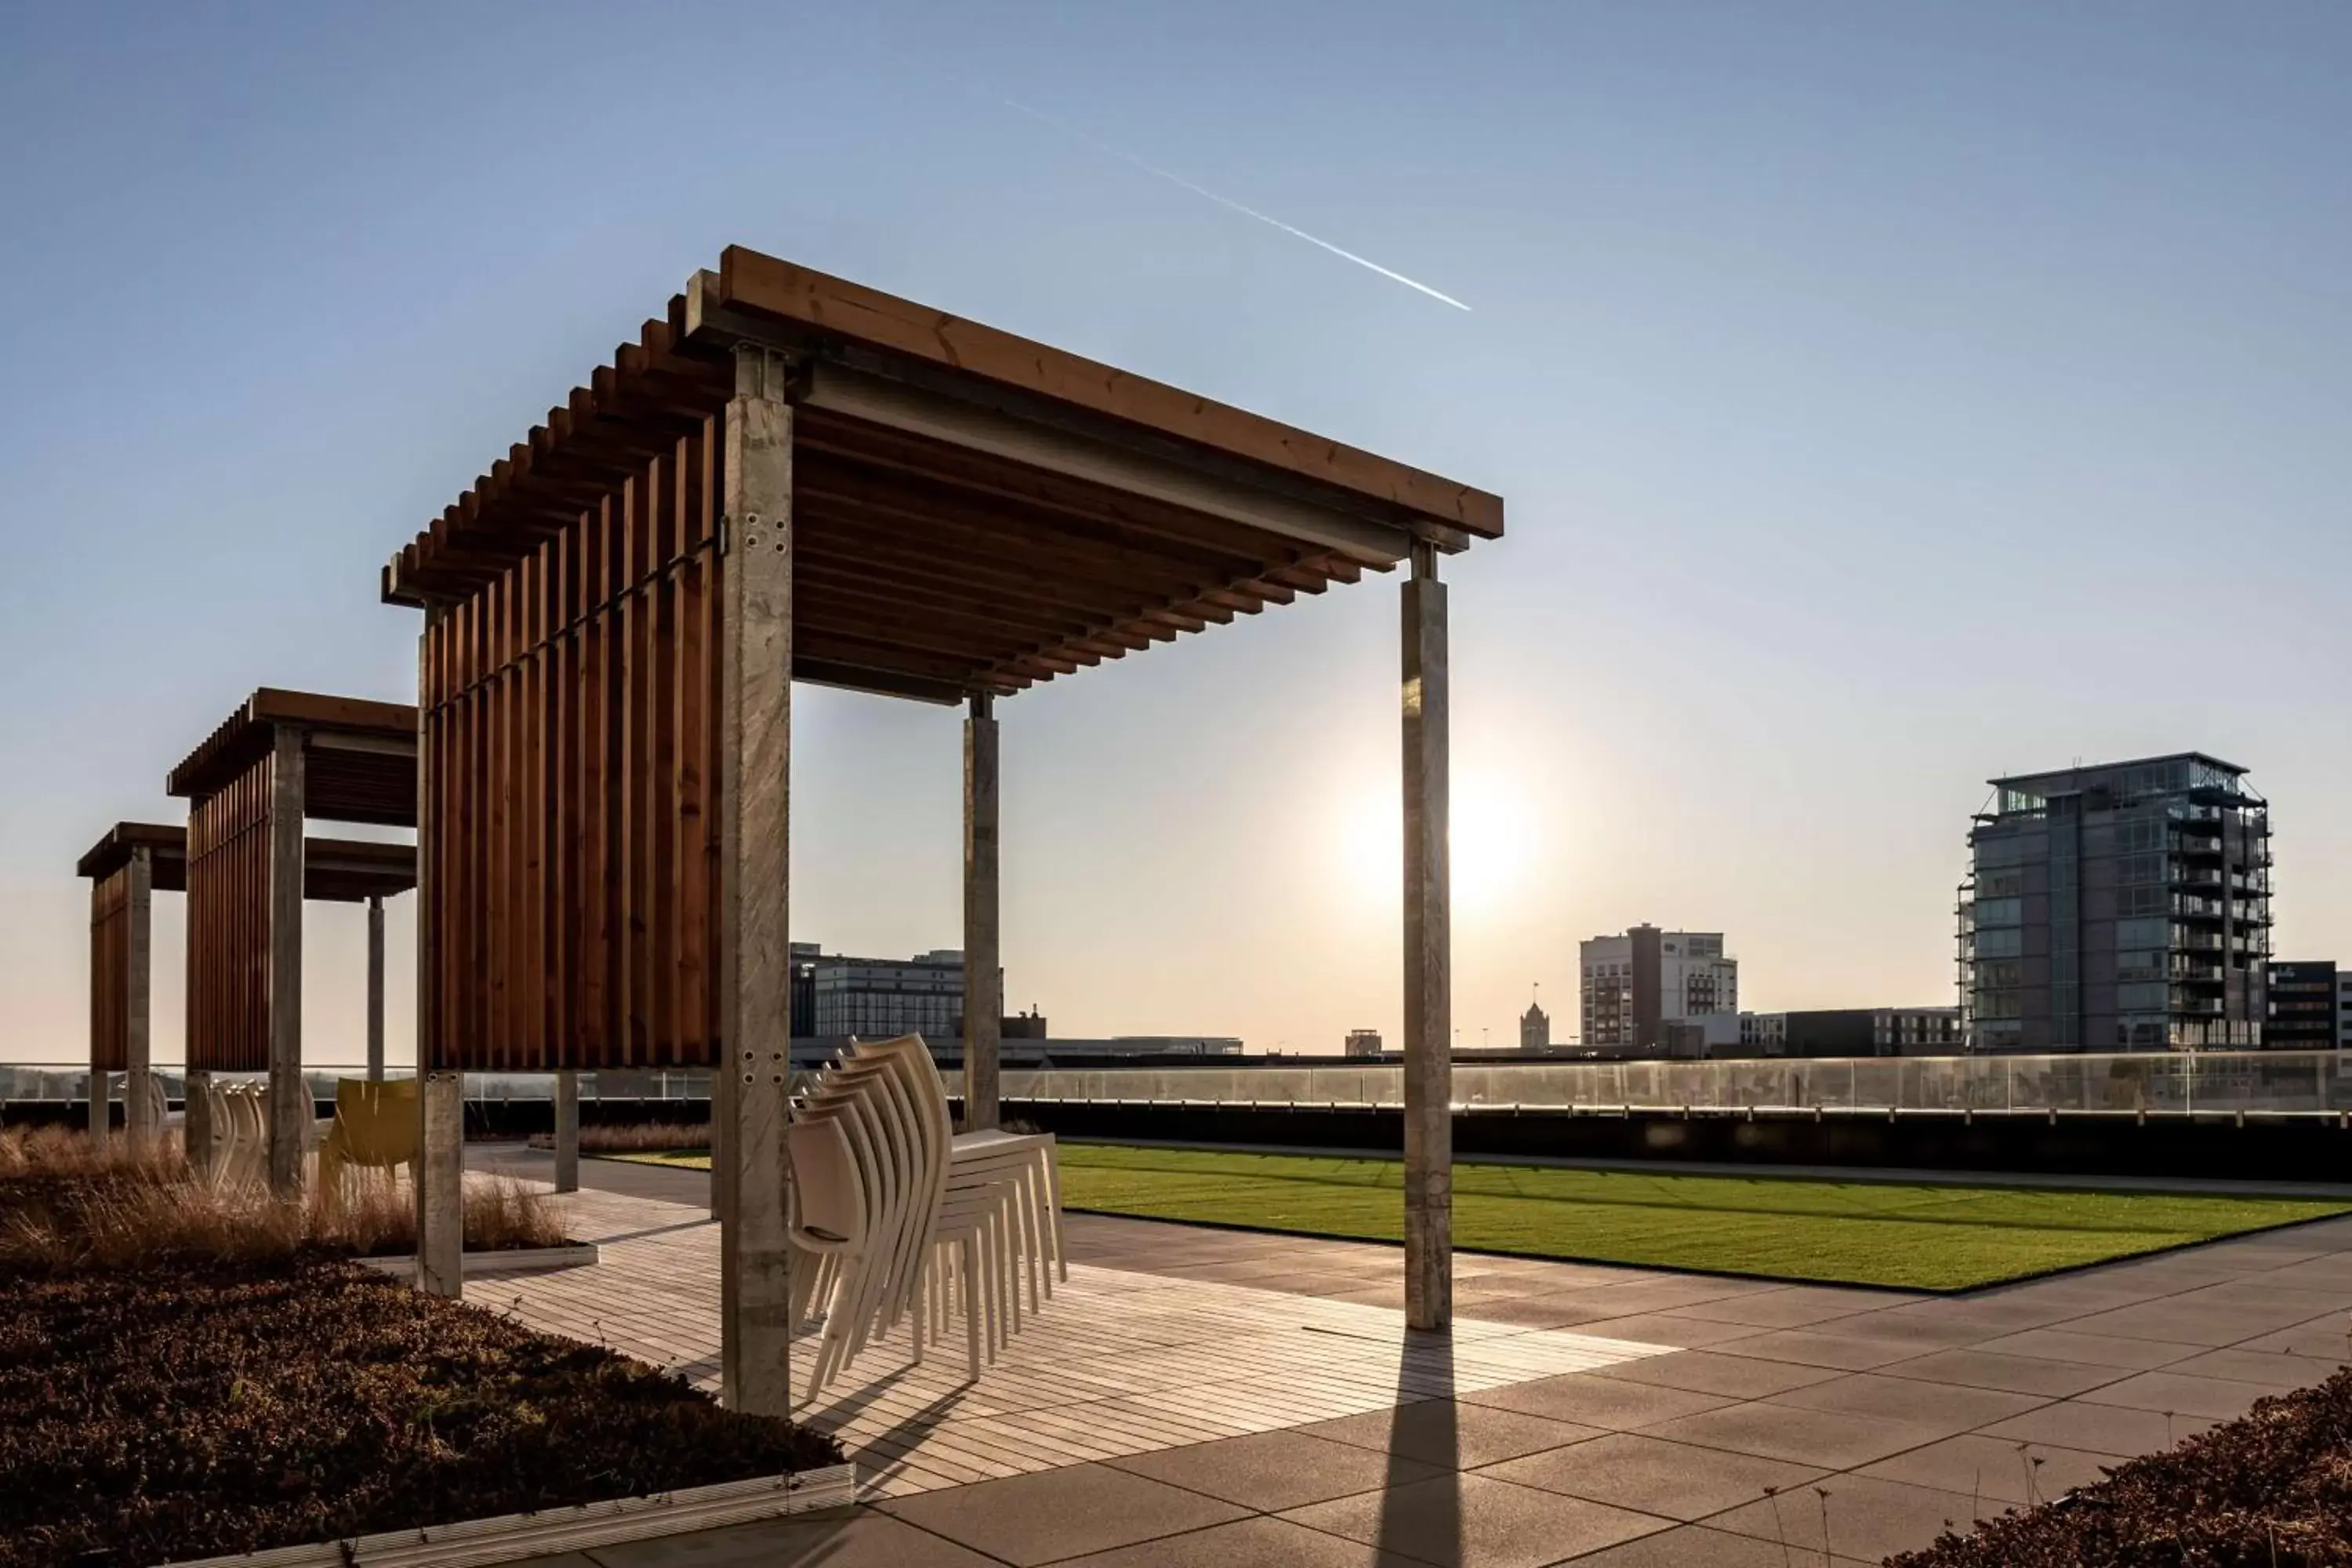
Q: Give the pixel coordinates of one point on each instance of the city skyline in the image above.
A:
(1781, 356)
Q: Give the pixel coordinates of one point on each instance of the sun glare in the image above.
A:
(1492, 830)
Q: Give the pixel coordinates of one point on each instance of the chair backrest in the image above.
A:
(826, 1186)
(378, 1120)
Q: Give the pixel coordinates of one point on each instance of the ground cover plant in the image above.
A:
(1912, 1237)
(237, 1382)
(2272, 1486)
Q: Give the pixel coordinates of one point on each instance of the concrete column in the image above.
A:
(441, 1185)
(567, 1132)
(440, 1169)
(102, 1117)
(290, 1108)
(752, 1067)
(1428, 958)
(137, 1112)
(196, 1123)
(984, 973)
(375, 989)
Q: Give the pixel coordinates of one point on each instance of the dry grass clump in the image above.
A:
(636, 1138)
(65, 1206)
(28, 1152)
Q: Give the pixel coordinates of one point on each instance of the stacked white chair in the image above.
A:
(866, 1152)
(895, 1221)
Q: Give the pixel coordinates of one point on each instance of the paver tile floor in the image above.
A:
(1154, 1416)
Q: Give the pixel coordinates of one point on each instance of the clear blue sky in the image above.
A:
(1885, 397)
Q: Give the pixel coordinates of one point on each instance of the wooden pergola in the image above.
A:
(136, 860)
(790, 477)
(282, 758)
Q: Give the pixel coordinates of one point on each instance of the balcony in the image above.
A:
(2189, 906)
(2183, 876)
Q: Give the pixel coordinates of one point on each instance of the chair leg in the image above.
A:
(1052, 1169)
(970, 1308)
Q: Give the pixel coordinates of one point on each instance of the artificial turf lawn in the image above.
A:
(1859, 1233)
(1914, 1237)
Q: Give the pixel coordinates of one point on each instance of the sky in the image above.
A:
(1884, 399)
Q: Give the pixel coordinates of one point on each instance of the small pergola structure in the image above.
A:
(136, 860)
(281, 759)
(790, 477)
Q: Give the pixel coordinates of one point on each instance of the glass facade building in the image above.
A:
(2123, 907)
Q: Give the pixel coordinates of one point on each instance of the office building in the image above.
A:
(1363, 1043)
(881, 999)
(2343, 1009)
(2306, 1006)
(1635, 985)
(804, 956)
(2119, 906)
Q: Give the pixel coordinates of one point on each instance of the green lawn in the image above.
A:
(1861, 1233)
(1857, 1233)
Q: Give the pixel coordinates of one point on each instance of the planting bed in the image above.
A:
(236, 1385)
(2272, 1486)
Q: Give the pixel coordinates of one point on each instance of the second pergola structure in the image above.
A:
(791, 477)
(126, 869)
(282, 758)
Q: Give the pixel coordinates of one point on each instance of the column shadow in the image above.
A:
(1421, 1515)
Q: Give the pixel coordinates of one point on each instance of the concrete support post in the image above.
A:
(441, 1185)
(440, 1094)
(567, 1131)
(375, 989)
(1428, 958)
(138, 1083)
(102, 1115)
(290, 1107)
(750, 1073)
(196, 1123)
(984, 973)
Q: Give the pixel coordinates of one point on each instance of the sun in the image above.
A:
(1491, 840)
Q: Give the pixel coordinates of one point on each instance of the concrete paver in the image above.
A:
(1891, 1417)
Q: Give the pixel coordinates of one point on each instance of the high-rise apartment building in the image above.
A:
(1635, 985)
(2305, 1007)
(2119, 906)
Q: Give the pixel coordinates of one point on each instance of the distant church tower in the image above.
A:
(1535, 1026)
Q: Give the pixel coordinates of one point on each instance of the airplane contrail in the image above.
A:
(1107, 150)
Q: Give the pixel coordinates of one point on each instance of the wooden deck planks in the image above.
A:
(1117, 1363)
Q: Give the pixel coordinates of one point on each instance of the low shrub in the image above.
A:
(2272, 1486)
(636, 1138)
(216, 1406)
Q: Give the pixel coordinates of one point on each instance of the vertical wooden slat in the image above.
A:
(596, 891)
(661, 791)
(650, 814)
(690, 1028)
(714, 681)
(631, 718)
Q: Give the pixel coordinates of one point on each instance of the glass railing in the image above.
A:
(2154, 1083)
